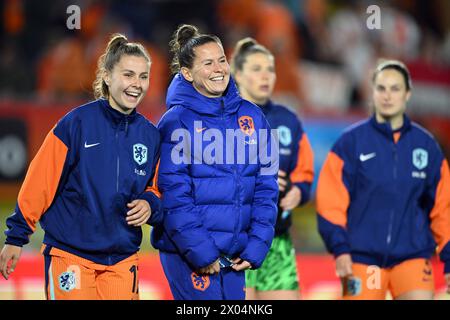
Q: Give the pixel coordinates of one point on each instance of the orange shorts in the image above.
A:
(70, 277)
(372, 282)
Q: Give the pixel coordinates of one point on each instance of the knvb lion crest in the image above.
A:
(200, 282)
(285, 135)
(420, 158)
(140, 153)
(246, 124)
(67, 281)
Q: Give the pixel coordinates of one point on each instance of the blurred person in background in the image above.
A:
(253, 67)
(383, 198)
(350, 43)
(218, 217)
(271, 23)
(276, 30)
(400, 35)
(66, 68)
(91, 187)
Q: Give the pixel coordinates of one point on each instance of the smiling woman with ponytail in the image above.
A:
(91, 186)
(218, 218)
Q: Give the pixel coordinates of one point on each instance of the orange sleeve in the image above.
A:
(304, 169)
(153, 188)
(440, 214)
(42, 179)
(333, 197)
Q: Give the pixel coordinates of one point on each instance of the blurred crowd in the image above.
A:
(40, 58)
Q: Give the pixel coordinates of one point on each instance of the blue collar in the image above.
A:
(266, 108)
(116, 116)
(386, 129)
(182, 92)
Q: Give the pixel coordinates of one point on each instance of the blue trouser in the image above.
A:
(185, 284)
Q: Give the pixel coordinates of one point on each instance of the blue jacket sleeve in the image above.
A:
(152, 194)
(181, 218)
(264, 207)
(41, 183)
(154, 201)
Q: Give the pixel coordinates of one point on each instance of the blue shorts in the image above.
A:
(185, 284)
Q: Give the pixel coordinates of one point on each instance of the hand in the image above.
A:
(211, 269)
(240, 264)
(282, 180)
(344, 266)
(9, 254)
(139, 214)
(447, 281)
(292, 199)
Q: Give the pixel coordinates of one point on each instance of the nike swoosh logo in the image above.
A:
(200, 129)
(365, 157)
(90, 145)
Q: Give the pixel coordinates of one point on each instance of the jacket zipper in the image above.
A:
(222, 110)
(238, 185)
(391, 218)
(117, 182)
(238, 206)
(118, 154)
(117, 163)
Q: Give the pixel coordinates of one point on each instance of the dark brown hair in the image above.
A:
(117, 46)
(184, 40)
(395, 65)
(243, 49)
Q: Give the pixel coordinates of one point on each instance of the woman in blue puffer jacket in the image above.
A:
(217, 175)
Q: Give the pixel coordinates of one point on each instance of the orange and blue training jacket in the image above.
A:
(296, 156)
(91, 164)
(384, 196)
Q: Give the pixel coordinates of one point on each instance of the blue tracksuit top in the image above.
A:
(384, 196)
(213, 207)
(91, 164)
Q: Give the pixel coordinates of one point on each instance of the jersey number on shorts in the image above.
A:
(134, 270)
